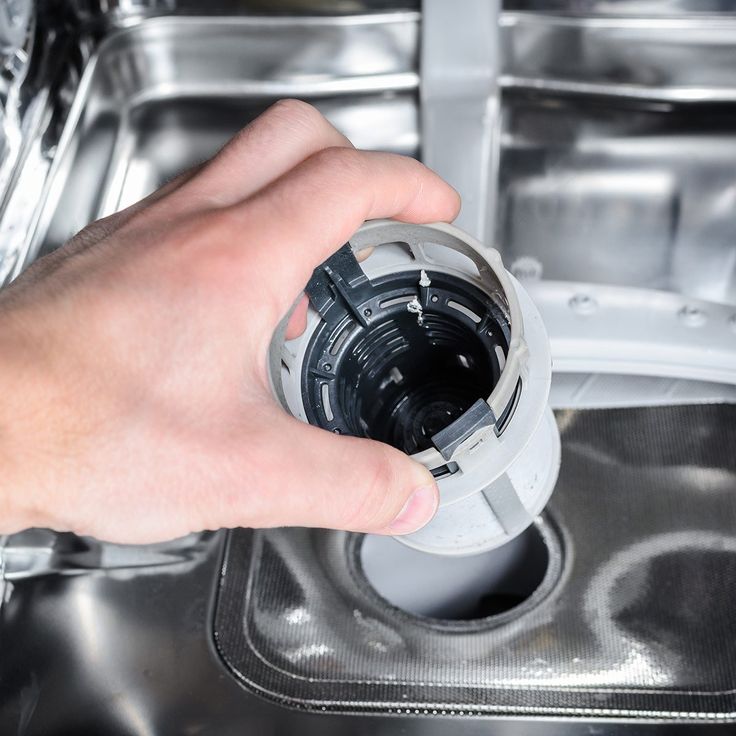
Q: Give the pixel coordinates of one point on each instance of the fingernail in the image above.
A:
(418, 511)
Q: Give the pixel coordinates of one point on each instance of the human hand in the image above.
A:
(133, 360)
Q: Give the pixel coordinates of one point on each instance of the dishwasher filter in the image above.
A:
(431, 346)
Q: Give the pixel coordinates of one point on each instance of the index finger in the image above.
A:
(277, 140)
(308, 214)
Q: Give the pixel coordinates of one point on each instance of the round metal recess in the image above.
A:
(428, 344)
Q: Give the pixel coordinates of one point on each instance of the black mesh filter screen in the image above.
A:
(634, 619)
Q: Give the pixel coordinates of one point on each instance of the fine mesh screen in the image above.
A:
(635, 617)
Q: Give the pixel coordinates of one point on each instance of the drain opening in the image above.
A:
(456, 588)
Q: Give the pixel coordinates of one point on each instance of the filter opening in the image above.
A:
(404, 362)
(402, 382)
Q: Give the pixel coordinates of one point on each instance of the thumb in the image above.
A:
(320, 479)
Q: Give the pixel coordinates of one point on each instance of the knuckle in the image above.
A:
(345, 165)
(285, 119)
(292, 108)
(299, 120)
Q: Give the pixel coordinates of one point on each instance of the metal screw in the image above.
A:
(435, 298)
(583, 304)
(367, 312)
(327, 367)
(692, 316)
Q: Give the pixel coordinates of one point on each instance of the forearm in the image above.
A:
(22, 472)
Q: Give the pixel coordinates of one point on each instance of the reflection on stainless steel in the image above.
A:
(37, 552)
(602, 193)
(166, 94)
(15, 16)
(635, 621)
(15, 49)
(614, 163)
(610, 594)
(653, 9)
(120, 13)
(675, 59)
(35, 95)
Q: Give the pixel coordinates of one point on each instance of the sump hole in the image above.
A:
(456, 588)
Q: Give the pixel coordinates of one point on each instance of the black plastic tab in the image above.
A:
(340, 277)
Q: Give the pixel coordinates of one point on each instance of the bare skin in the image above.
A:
(136, 405)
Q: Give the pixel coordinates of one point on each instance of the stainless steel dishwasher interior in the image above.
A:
(165, 95)
(617, 142)
(605, 176)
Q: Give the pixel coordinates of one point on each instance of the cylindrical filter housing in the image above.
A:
(430, 345)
